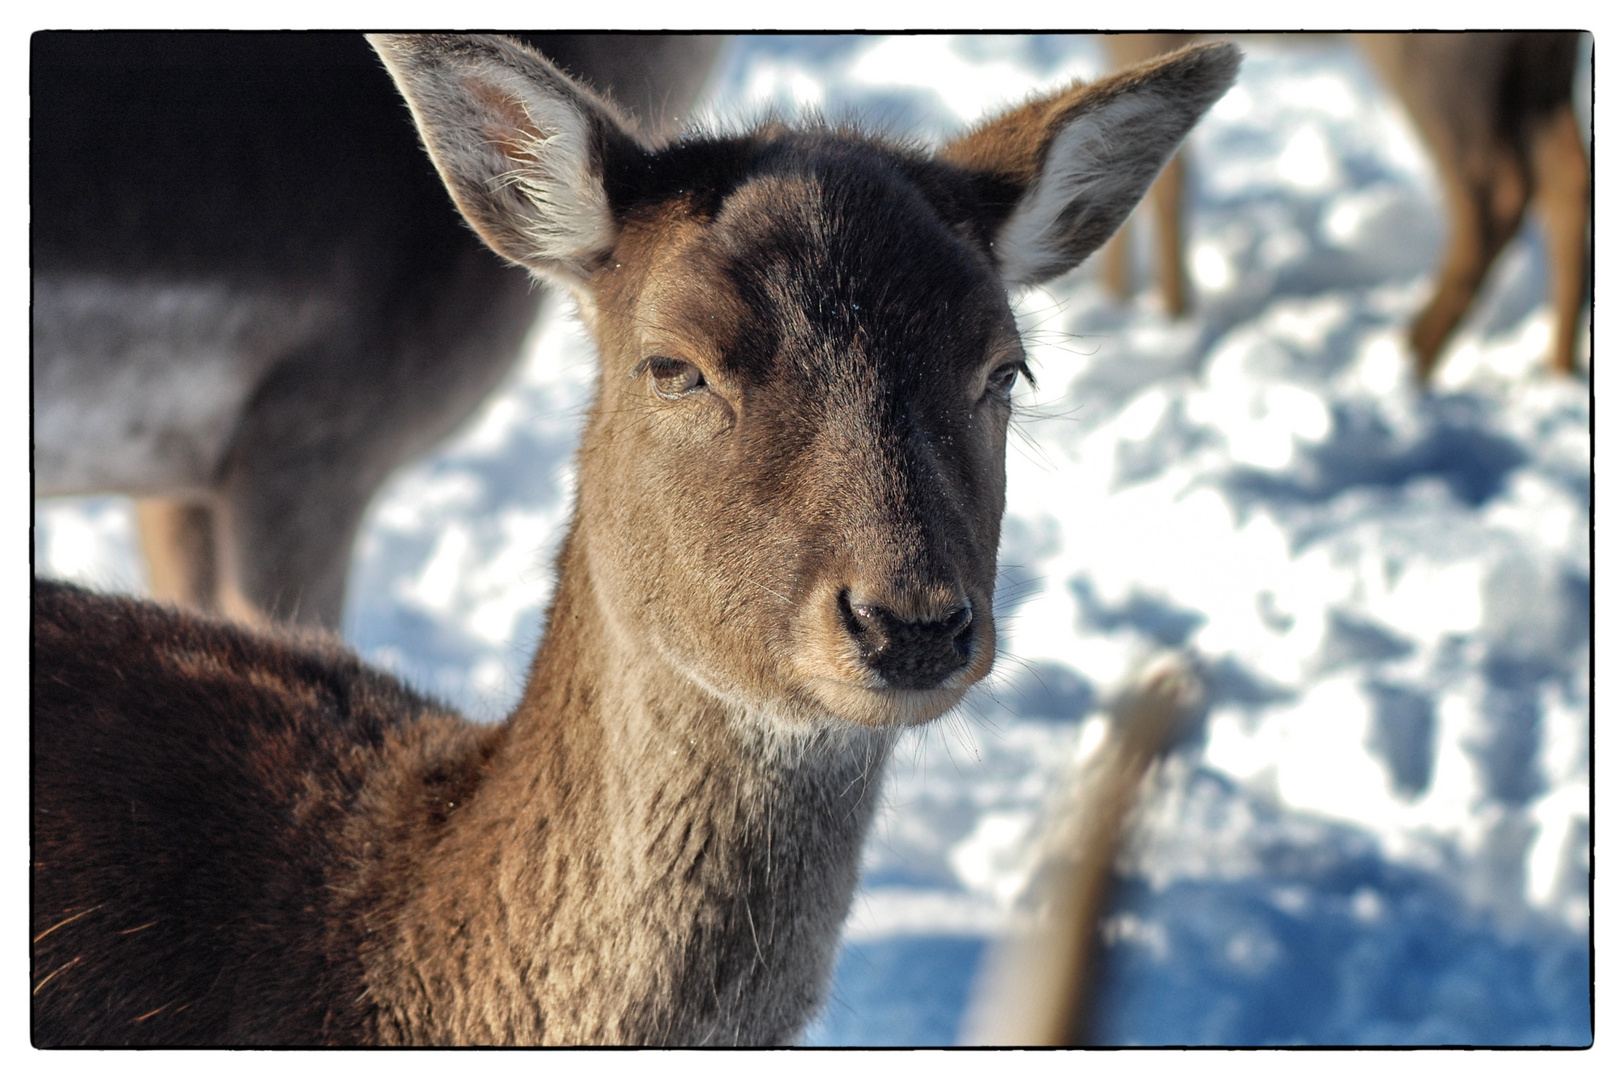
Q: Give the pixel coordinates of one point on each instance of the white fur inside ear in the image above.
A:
(517, 156)
(1098, 167)
(549, 163)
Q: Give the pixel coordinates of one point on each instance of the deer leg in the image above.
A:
(327, 429)
(1562, 197)
(1168, 199)
(1117, 270)
(1483, 214)
(287, 527)
(177, 538)
(288, 567)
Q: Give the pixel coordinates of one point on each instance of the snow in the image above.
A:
(1380, 832)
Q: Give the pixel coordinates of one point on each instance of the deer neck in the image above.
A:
(663, 866)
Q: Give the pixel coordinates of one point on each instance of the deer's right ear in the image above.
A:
(520, 146)
(1060, 174)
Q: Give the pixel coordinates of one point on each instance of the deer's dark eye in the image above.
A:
(673, 378)
(1002, 380)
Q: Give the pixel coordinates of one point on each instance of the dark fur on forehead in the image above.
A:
(705, 168)
(832, 235)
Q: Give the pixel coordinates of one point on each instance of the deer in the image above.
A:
(782, 555)
(253, 301)
(1495, 110)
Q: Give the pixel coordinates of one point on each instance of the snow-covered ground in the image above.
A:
(1380, 831)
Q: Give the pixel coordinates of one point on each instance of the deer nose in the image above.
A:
(909, 654)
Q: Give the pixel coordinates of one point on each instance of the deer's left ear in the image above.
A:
(1060, 174)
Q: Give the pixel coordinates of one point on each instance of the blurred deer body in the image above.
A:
(252, 300)
(783, 550)
(1495, 110)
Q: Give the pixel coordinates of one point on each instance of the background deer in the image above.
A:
(1496, 112)
(252, 301)
(782, 553)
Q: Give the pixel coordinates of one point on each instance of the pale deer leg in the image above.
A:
(1117, 269)
(1562, 197)
(1168, 196)
(1168, 192)
(177, 538)
(1483, 215)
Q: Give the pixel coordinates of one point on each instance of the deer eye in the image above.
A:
(673, 378)
(1001, 381)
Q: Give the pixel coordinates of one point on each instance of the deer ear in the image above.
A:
(1060, 174)
(521, 147)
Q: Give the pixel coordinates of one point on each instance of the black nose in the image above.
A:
(908, 654)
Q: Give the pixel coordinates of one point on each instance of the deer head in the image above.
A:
(792, 479)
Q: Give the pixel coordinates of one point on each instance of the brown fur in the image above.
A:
(783, 551)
